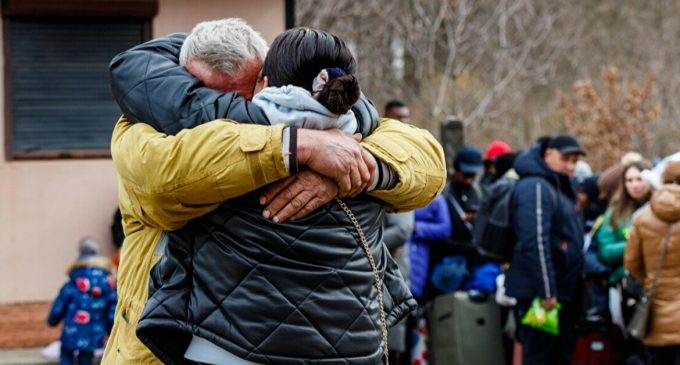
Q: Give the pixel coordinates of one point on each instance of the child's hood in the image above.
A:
(93, 261)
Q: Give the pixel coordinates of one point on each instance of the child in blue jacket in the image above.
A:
(86, 304)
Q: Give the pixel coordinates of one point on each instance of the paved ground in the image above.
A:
(23, 356)
(24, 333)
(26, 356)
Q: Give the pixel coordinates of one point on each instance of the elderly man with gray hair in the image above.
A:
(169, 180)
(226, 55)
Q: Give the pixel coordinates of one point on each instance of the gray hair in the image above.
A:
(225, 45)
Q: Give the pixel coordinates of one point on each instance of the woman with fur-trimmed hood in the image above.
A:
(653, 224)
(86, 304)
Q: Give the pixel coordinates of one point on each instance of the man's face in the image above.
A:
(402, 114)
(244, 82)
(465, 179)
(489, 167)
(559, 162)
(582, 200)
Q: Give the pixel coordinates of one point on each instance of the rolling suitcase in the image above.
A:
(465, 330)
(598, 344)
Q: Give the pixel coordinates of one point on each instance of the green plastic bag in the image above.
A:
(542, 319)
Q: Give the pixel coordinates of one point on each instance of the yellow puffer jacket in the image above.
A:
(165, 181)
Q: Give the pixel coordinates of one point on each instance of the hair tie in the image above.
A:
(323, 77)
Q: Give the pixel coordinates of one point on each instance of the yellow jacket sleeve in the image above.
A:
(417, 158)
(170, 180)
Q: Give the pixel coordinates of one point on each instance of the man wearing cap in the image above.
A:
(462, 198)
(495, 149)
(548, 260)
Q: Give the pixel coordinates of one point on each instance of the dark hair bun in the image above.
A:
(340, 93)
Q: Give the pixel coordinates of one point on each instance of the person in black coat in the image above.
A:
(462, 196)
(548, 259)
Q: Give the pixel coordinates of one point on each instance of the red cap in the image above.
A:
(496, 148)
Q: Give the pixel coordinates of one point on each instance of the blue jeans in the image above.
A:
(68, 356)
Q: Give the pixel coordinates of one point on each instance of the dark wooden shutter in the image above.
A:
(58, 81)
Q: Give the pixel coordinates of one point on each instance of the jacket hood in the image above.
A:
(666, 203)
(530, 163)
(295, 106)
(99, 262)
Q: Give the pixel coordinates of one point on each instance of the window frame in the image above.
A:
(144, 10)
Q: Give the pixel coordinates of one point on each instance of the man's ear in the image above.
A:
(262, 82)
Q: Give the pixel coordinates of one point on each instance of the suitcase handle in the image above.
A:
(444, 316)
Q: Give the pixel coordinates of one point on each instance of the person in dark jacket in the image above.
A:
(495, 149)
(590, 202)
(86, 304)
(293, 270)
(494, 208)
(462, 198)
(548, 259)
(398, 110)
(503, 164)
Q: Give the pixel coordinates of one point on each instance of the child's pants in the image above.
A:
(68, 356)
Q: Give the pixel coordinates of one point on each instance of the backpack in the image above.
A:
(493, 234)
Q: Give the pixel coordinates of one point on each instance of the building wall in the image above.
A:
(265, 16)
(47, 206)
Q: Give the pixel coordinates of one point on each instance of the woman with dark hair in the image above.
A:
(308, 81)
(633, 192)
(245, 289)
(296, 57)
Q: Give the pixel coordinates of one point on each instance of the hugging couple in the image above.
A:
(253, 183)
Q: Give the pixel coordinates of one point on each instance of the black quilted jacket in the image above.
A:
(299, 292)
(294, 293)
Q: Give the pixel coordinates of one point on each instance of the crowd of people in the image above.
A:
(253, 182)
(544, 226)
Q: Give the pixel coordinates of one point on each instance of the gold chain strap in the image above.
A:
(376, 274)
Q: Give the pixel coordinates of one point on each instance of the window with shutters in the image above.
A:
(57, 98)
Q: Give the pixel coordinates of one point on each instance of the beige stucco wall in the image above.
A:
(266, 16)
(46, 206)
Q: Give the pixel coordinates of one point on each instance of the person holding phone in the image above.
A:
(463, 195)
